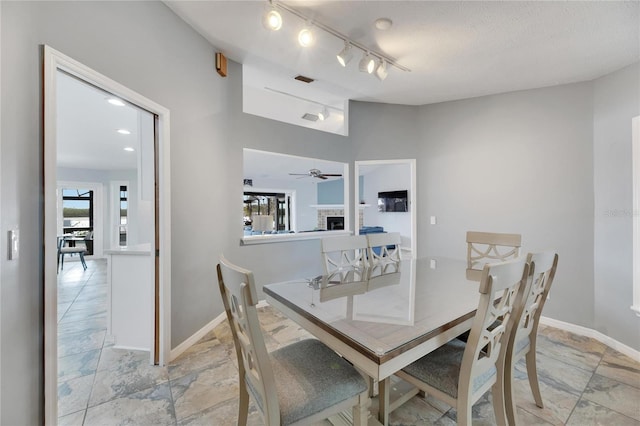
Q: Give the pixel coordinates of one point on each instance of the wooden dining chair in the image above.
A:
(63, 250)
(458, 373)
(301, 383)
(344, 252)
(384, 247)
(490, 247)
(522, 341)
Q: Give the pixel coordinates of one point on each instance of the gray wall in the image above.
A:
(616, 102)
(519, 162)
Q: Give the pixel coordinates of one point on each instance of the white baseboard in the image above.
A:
(588, 332)
(175, 352)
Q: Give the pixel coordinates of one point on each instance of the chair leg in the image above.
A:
(509, 400)
(497, 392)
(61, 261)
(532, 372)
(361, 411)
(84, 264)
(243, 409)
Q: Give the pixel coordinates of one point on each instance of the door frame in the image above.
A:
(411, 163)
(54, 61)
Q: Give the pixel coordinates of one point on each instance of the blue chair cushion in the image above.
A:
(310, 377)
(441, 369)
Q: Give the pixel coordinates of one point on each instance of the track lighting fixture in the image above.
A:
(371, 59)
(272, 19)
(367, 64)
(345, 54)
(381, 71)
(305, 37)
(324, 114)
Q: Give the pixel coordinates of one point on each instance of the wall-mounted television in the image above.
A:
(393, 201)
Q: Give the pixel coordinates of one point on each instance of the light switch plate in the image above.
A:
(432, 264)
(14, 244)
(433, 220)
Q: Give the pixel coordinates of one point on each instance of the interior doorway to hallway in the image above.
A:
(149, 205)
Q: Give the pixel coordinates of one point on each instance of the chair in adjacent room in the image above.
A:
(301, 383)
(344, 252)
(384, 247)
(490, 247)
(63, 250)
(522, 341)
(458, 373)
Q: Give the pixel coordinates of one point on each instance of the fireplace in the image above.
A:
(335, 222)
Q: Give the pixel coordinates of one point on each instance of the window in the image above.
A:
(77, 216)
(122, 226)
(276, 205)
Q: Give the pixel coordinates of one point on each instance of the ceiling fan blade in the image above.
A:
(321, 177)
(331, 174)
(299, 174)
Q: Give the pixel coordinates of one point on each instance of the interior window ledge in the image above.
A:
(636, 309)
(299, 236)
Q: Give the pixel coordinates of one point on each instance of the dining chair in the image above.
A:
(62, 251)
(490, 247)
(384, 247)
(301, 383)
(344, 252)
(458, 373)
(522, 341)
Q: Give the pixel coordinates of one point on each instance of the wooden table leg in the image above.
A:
(383, 400)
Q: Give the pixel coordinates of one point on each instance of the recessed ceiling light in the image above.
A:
(123, 131)
(129, 149)
(115, 101)
(383, 23)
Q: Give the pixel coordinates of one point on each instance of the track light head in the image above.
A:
(272, 19)
(381, 71)
(345, 54)
(367, 64)
(324, 114)
(305, 37)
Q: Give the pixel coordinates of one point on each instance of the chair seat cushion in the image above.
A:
(311, 377)
(72, 250)
(441, 369)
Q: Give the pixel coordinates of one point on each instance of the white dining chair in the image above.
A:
(301, 383)
(490, 247)
(344, 252)
(522, 341)
(64, 250)
(458, 373)
(384, 247)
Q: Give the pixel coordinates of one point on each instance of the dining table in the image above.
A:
(383, 317)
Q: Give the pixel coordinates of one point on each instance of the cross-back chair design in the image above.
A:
(344, 252)
(301, 383)
(522, 341)
(379, 251)
(458, 373)
(62, 251)
(490, 247)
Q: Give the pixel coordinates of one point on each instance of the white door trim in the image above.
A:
(54, 61)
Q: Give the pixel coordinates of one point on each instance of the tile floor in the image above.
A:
(582, 381)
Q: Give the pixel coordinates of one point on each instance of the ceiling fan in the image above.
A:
(316, 173)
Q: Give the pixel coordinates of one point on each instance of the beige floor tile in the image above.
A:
(614, 395)
(590, 413)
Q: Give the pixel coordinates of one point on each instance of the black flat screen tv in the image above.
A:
(393, 201)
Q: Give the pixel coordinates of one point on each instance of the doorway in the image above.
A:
(374, 177)
(156, 159)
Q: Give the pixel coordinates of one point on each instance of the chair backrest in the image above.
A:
(542, 270)
(379, 250)
(344, 252)
(488, 247)
(486, 346)
(239, 296)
